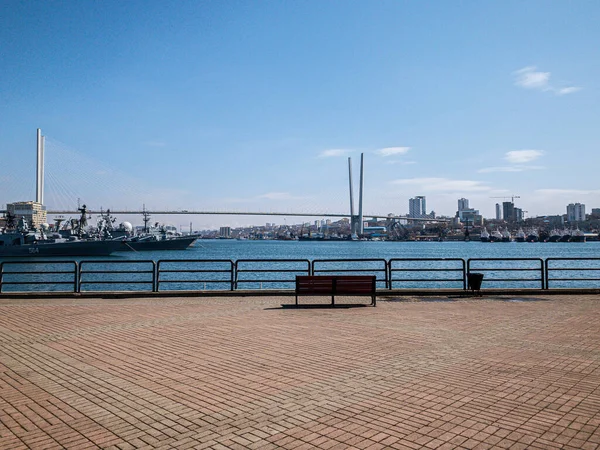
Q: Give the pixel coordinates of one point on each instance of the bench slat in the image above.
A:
(336, 285)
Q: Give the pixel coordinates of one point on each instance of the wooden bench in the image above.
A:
(336, 285)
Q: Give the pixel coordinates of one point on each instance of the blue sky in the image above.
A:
(257, 105)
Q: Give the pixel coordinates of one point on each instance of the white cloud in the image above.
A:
(567, 90)
(509, 169)
(276, 196)
(403, 163)
(530, 78)
(334, 152)
(443, 184)
(389, 151)
(522, 156)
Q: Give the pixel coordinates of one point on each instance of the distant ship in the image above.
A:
(533, 236)
(496, 236)
(485, 236)
(506, 237)
(566, 236)
(554, 235)
(153, 238)
(20, 241)
(577, 236)
(520, 236)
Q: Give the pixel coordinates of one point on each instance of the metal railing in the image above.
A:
(520, 270)
(202, 275)
(366, 266)
(199, 272)
(440, 269)
(26, 273)
(132, 274)
(559, 271)
(271, 272)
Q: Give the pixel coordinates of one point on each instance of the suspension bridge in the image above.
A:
(71, 162)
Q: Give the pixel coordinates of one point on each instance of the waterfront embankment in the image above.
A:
(234, 372)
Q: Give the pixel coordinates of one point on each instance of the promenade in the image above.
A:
(245, 373)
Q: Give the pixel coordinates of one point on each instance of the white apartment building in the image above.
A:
(575, 212)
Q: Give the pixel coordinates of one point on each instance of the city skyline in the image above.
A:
(257, 106)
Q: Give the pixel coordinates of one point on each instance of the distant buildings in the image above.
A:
(417, 207)
(576, 212)
(467, 215)
(225, 232)
(33, 212)
(498, 212)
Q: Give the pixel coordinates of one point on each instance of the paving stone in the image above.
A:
(246, 373)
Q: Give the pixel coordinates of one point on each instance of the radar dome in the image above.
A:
(45, 226)
(126, 226)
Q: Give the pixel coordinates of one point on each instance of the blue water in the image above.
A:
(214, 272)
(234, 249)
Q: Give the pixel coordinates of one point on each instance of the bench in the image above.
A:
(336, 285)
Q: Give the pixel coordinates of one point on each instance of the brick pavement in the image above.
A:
(243, 373)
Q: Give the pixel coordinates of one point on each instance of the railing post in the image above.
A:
(78, 276)
(155, 270)
(547, 275)
(389, 269)
(235, 276)
(464, 272)
(542, 273)
(1, 272)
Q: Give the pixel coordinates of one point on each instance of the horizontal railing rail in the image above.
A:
(248, 274)
(559, 272)
(277, 273)
(520, 270)
(107, 272)
(360, 266)
(198, 272)
(24, 273)
(443, 272)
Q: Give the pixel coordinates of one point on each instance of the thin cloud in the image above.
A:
(530, 78)
(402, 163)
(509, 169)
(554, 192)
(522, 156)
(443, 184)
(391, 151)
(334, 152)
(277, 196)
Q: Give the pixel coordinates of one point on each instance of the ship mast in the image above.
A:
(146, 215)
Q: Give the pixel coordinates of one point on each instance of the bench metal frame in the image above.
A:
(351, 285)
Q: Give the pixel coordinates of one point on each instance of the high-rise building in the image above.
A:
(463, 204)
(417, 206)
(498, 212)
(225, 232)
(576, 212)
(508, 211)
(33, 212)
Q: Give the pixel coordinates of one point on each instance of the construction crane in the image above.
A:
(512, 198)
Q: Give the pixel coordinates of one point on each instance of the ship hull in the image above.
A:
(76, 248)
(177, 243)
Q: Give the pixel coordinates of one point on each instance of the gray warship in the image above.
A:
(150, 239)
(17, 239)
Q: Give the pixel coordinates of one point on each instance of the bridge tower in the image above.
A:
(356, 221)
(39, 179)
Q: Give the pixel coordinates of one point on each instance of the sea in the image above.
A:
(99, 273)
(273, 249)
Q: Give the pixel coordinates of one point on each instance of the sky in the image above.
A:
(256, 106)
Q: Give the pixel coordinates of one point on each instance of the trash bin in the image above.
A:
(475, 280)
